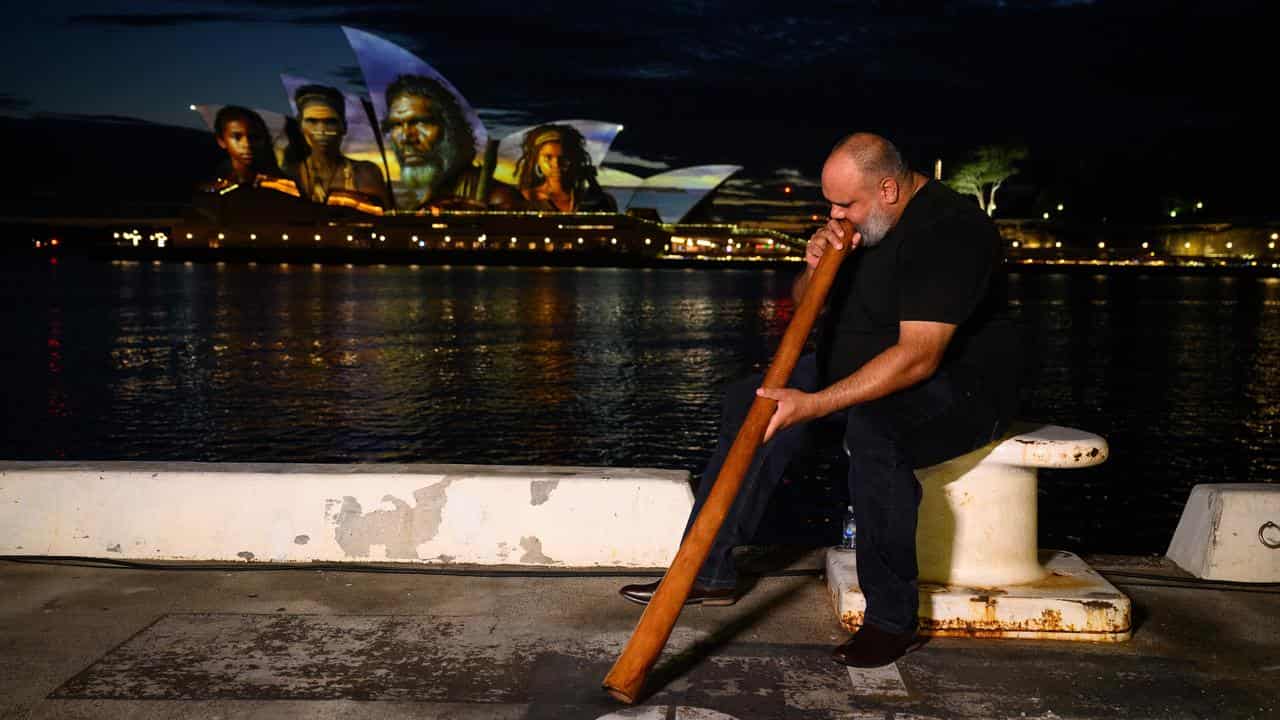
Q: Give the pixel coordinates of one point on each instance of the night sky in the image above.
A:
(1123, 105)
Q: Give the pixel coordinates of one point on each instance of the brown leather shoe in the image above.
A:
(872, 647)
(699, 595)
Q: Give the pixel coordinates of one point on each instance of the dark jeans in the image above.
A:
(947, 415)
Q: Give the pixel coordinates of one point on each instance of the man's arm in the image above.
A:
(915, 358)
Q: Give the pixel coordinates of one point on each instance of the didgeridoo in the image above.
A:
(650, 636)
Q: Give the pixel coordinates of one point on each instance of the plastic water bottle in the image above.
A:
(850, 535)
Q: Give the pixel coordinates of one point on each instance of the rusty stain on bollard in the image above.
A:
(1103, 620)
(1051, 453)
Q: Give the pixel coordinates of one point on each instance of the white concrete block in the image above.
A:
(1230, 531)
(550, 516)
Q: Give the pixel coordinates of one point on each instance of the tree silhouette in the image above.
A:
(982, 176)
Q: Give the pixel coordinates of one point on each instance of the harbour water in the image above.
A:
(612, 367)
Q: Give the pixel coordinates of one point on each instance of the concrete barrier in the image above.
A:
(1230, 531)
(544, 516)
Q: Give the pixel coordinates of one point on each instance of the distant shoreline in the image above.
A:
(506, 258)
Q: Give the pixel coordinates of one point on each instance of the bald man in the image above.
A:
(916, 360)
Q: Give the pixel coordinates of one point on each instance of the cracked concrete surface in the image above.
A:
(80, 642)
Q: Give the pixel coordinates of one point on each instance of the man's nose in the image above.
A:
(837, 212)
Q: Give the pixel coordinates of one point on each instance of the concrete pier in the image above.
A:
(84, 642)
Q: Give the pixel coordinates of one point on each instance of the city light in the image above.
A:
(1102, 246)
(1173, 213)
(1145, 245)
(1229, 245)
(1015, 243)
(1060, 208)
(1046, 216)
(1058, 244)
(1199, 206)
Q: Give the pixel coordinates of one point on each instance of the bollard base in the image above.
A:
(1073, 602)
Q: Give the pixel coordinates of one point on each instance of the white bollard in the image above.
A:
(977, 521)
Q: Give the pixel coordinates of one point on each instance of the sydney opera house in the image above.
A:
(411, 168)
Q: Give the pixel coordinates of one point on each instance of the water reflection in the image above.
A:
(598, 367)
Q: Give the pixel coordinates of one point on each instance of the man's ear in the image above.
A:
(889, 190)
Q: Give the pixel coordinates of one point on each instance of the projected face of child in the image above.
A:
(238, 139)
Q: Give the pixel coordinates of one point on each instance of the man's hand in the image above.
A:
(794, 407)
(829, 235)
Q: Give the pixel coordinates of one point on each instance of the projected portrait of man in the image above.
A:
(554, 172)
(323, 172)
(244, 136)
(432, 142)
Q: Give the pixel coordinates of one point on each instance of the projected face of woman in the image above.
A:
(551, 162)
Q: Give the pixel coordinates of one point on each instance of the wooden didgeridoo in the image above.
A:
(650, 636)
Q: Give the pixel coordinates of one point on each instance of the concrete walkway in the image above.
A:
(83, 642)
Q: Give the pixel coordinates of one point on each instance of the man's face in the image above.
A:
(322, 127)
(551, 160)
(856, 198)
(239, 142)
(414, 128)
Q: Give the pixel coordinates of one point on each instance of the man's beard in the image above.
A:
(875, 227)
(421, 177)
(425, 177)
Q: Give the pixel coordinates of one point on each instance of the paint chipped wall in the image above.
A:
(548, 516)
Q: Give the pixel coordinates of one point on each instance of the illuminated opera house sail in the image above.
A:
(411, 166)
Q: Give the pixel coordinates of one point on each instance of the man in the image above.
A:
(915, 359)
(432, 142)
(323, 173)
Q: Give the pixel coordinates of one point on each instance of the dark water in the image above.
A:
(596, 367)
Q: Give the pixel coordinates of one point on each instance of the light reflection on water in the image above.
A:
(580, 366)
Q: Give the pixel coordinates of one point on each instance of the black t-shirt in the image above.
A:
(941, 263)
